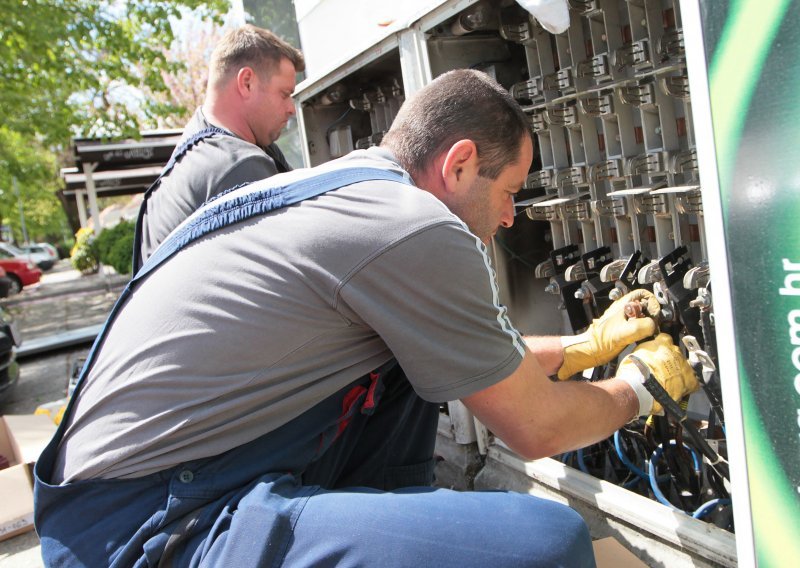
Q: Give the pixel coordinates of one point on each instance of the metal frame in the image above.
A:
(610, 509)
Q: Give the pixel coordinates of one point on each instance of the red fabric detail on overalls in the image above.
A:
(348, 401)
(352, 397)
(369, 403)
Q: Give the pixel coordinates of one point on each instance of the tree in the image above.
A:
(77, 68)
(186, 86)
(70, 66)
(34, 171)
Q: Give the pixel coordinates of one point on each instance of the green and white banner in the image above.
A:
(752, 57)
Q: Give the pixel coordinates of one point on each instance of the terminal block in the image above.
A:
(562, 259)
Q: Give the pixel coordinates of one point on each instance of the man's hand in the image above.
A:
(668, 366)
(611, 333)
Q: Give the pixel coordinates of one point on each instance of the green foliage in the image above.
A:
(69, 65)
(84, 253)
(114, 246)
(36, 174)
(186, 86)
(76, 68)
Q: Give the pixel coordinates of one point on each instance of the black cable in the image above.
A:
(673, 408)
(335, 123)
(514, 255)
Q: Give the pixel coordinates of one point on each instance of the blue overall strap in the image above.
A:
(261, 198)
(179, 152)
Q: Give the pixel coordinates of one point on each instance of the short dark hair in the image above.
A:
(461, 104)
(255, 47)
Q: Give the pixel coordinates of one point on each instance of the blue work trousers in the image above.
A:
(344, 484)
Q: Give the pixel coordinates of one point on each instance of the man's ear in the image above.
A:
(460, 166)
(245, 81)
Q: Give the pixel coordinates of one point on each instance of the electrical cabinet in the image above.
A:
(614, 201)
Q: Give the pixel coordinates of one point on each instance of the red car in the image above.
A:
(19, 272)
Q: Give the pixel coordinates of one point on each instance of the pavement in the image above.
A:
(64, 300)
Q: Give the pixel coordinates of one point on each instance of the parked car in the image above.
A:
(42, 248)
(40, 259)
(20, 271)
(9, 340)
(5, 284)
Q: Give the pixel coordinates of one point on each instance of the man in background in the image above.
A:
(230, 140)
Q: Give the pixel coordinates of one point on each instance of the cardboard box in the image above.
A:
(22, 439)
(609, 553)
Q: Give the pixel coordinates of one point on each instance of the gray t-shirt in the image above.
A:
(255, 323)
(209, 168)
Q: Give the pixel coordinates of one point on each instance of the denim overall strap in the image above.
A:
(260, 198)
(179, 152)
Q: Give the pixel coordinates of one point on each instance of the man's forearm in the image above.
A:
(548, 350)
(538, 417)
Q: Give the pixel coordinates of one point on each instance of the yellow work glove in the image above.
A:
(668, 366)
(610, 333)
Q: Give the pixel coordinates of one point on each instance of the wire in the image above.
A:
(674, 409)
(336, 122)
(709, 506)
(514, 255)
(659, 495)
(489, 62)
(625, 460)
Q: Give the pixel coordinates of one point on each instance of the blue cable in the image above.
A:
(624, 459)
(633, 482)
(709, 506)
(654, 482)
(654, 485)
